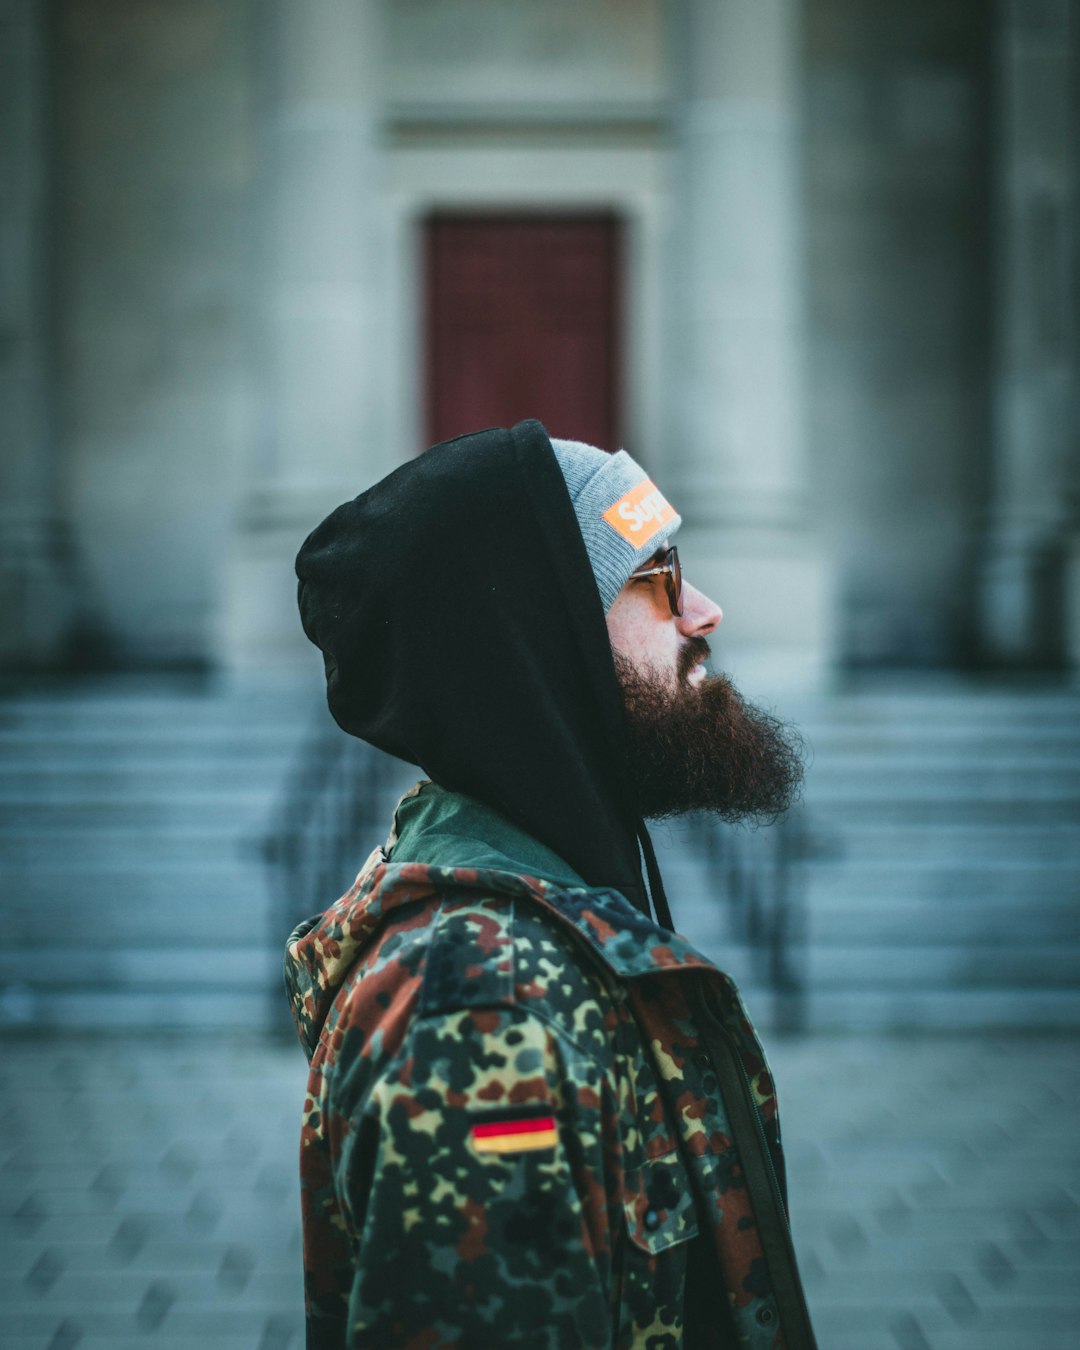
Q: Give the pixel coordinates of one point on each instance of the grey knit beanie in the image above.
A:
(623, 515)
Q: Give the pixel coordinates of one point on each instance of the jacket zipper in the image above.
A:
(762, 1183)
(763, 1143)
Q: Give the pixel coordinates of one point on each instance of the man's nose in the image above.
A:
(700, 614)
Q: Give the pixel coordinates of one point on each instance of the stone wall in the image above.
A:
(898, 339)
(155, 164)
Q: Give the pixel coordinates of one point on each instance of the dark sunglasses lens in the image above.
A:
(675, 582)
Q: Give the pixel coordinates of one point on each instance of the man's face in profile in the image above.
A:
(694, 743)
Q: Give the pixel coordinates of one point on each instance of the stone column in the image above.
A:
(737, 456)
(317, 333)
(35, 601)
(1030, 558)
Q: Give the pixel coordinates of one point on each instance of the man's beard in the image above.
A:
(703, 747)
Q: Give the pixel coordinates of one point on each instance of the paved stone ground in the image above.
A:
(149, 1197)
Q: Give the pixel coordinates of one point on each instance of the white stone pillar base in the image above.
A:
(1024, 585)
(259, 622)
(37, 605)
(1072, 603)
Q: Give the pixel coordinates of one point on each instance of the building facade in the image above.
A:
(813, 262)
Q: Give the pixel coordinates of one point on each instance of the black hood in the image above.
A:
(462, 630)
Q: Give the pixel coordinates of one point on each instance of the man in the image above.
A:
(535, 1117)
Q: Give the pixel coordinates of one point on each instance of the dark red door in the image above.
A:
(523, 321)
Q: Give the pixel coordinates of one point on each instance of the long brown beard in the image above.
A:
(704, 748)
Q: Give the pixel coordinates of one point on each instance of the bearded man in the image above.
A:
(535, 1116)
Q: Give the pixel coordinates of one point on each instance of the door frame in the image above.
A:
(508, 174)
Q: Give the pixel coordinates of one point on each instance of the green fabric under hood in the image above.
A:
(449, 829)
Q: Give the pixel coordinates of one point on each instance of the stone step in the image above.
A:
(1046, 736)
(212, 813)
(123, 883)
(107, 777)
(165, 841)
(189, 773)
(120, 1008)
(864, 960)
(81, 863)
(177, 929)
(184, 903)
(961, 906)
(116, 902)
(1023, 779)
(78, 748)
(854, 818)
(50, 850)
(933, 1010)
(989, 842)
(122, 701)
(874, 934)
(870, 924)
(863, 964)
(967, 702)
(227, 964)
(967, 877)
(110, 777)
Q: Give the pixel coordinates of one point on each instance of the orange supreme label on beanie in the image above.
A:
(639, 514)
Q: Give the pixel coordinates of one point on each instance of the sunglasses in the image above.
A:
(667, 566)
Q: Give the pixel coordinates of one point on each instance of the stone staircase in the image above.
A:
(130, 815)
(954, 895)
(942, 885)
(942, 890)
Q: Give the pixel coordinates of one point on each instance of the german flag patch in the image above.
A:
(521, 1133)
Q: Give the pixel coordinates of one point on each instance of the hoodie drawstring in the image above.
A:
(661, 908)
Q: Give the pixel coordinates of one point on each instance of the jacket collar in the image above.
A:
(454, 852)
(458, 841)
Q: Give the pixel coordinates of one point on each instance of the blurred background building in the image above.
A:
(814, 263)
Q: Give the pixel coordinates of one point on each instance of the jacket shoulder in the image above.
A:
(508, 951)
(470, 955)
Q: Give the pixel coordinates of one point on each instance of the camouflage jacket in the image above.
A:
(530, 1112)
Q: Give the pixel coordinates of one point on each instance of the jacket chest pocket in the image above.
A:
(661, 1222)
(659, 1204)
